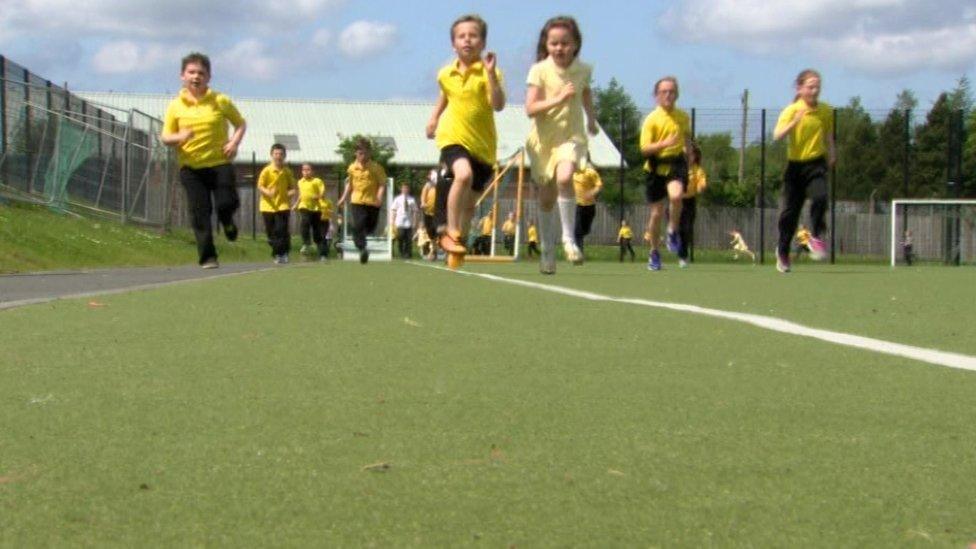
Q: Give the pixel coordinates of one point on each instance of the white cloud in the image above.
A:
(126, 56)
(322, 38)
(249, 59)
(873, 36)
(366, 39)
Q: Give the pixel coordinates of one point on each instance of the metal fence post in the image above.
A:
(833, 200)
(623, 169)
(3, 108)
(254, 195)
(762, 188)
(905, 168)
(125, 167)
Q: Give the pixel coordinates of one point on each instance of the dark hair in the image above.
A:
(471, 18)
(278, 147)
(365, 145)
(672, 79)
(695, 152)
(195, 57)
(564, 22)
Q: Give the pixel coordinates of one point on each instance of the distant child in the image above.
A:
(311, 192)
(907, 248)
(624, 237)
(277, 186)
(802, 238)
(403, 220)
(532, 238)
(558, 95)
(739, 246)
(328, 229)
(424, 243)
(809, 125)
(587, 186)
(428, 198)
(485, 229)
(365, 187)
(697, 181)
(196, 125)
(665, 138)
(471, 88)
(508, 233)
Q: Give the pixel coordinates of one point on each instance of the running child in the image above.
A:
(557, 97)
(428, 198)
(196, 125)
(508, 233)
(739, 246)
(586, 186)
(624, 237)
(328, 228)
(664, 140)
(697, 181)
(471, 88)
(277, 186)
(532, 240)
(365, 187)
(311, 192)
(809, 125)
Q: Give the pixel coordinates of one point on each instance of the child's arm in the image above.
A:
(591, 124)
(230, 148)
(496, 95)
(651, 149)
(784, 126)
(172, 135)
(536, 102)
(436, 115)
(345, 194)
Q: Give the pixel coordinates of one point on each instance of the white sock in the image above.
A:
(548, 229)
(567, 213)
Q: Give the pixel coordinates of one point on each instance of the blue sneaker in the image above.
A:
(674, 242)
(654, 261)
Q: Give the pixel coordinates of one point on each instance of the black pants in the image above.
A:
(405, 242)
(803, 178)
(626, 247)
(584, 222)
(510, 243)
(364, 220)
(686, 225)
(532, 249)
(276, 228)
(430, 225)
(325, 237)
(312, 231)
(200, 184)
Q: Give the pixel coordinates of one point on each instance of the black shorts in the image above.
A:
(656, 188)
(481, 173)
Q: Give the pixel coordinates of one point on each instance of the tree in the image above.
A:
(383, 152)
(931, 155)
(859, 167)
(610, 104)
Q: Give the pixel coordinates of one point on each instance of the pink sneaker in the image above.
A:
(818, 249)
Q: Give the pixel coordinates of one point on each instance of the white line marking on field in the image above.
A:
(112, 291)
(940, 358)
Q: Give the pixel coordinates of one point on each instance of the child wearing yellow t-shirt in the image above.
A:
(808, 124)
(532, 240)
(624, 236)
(697, 181)
(471, 88)
(428, 200)
(196, 125)
(508, 233)
(311, 191)
(276, 184)
(365, 188)
(557, 97)
(587, 186)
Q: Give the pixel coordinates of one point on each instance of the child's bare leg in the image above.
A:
(654, 222)
(675, 193)
(567, 204)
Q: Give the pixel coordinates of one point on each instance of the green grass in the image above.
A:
(242, 412)
(33, 238)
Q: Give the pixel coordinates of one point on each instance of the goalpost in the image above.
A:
(933, 230)
(514, 168)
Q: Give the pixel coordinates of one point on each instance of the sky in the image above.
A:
(391, 49)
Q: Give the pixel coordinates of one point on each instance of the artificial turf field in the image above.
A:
(392, 404)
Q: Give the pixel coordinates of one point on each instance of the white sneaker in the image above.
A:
(683, 263)
(547, 260)
(573, 253)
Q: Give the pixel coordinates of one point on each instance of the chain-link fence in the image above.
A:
(62, 151)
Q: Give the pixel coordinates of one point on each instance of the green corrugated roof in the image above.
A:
(321, 124)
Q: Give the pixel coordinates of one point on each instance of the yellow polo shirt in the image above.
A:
(564, 122)
(309, 191)
(208, 119)
(808, 139)
(366, 182)
(697, 181)
(486, 226)
(803, 237)
(428, 199)
(585, 181)
(533, 235)
(279, 181)
(508, 228)
(661, 124)
(625, 233)
(327, 208)
(468, 120)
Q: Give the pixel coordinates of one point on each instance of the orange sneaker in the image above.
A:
(451, 243)
(455, 261)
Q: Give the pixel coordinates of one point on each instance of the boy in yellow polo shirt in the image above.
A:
(196, 125)
(809, 125)
(586, 186)
(311, 190)
(624, 237)
(697, 181)
(471, 88)
(664, 141)
(532, 239)
(276, 184)
(508, 233)
(365, 187)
